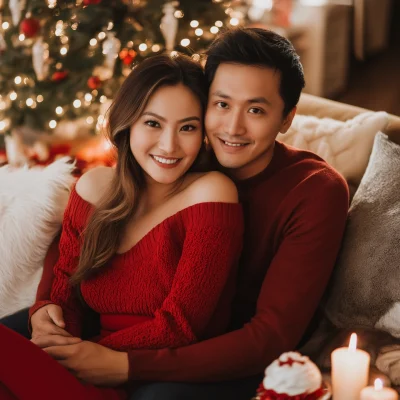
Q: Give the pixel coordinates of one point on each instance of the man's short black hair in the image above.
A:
(259, 47)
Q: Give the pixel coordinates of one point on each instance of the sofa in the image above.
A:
(333, 132)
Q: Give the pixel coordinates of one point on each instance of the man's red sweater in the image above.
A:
(295, 214)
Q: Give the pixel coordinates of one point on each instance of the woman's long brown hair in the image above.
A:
(120, 201)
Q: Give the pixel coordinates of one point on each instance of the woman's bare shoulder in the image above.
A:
(92, 184)
(212, 187)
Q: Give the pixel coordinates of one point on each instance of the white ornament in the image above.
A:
(15, 150)
(3, 44)
(111, 47)
(40, 56)
(169, 24)
(16, 8)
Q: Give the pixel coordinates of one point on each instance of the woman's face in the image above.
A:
(167, 137)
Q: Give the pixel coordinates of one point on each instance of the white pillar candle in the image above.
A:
(350, 369)
(378, 392)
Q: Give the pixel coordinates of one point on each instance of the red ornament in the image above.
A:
(128, 60)
(94, 82)
(59, 76)
(29, 27)
(89, 2)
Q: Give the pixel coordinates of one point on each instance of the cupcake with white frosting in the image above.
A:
(291, 377)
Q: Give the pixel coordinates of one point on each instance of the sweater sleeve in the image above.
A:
(62, 293)
(209, 256)
(290, 293)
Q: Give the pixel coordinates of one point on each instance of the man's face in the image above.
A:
(244, 116)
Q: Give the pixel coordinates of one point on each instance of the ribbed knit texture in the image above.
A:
(174, 275)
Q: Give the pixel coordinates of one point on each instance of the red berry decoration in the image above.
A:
(59, 76)
(94, 82)
(89, 2)
(29, 27)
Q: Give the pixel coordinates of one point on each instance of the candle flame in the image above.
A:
(378, 384)
(353, 342)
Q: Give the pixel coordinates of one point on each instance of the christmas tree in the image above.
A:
(62, 60)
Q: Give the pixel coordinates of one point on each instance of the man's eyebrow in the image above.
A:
(194, 118)
(260, 99)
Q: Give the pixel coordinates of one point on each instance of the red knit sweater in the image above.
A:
(170, 289)
(295, 213)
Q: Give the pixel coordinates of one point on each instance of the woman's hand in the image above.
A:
(48, 320)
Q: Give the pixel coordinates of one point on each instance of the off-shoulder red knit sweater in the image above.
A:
(170, 289)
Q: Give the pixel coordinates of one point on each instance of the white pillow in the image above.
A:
(344, 145)
(32, 204)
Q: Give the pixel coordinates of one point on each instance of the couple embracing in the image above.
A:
(203, 262)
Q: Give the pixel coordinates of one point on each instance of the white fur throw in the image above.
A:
(32, 203)
(344, 145)
(365, 288)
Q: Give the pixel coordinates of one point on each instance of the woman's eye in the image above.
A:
(256, 111)
(188, 128)
(222, 104)
(152, 124)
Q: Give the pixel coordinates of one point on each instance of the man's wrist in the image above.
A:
(122, 365)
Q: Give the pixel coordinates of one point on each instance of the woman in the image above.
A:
(150, 246)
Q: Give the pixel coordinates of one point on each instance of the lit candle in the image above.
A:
(350, 369)
(378, 392)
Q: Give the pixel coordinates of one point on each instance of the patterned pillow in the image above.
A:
(344, 145)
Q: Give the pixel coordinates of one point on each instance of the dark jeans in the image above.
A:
(18, 322)
(241, 389)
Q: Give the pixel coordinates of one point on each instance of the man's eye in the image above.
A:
(222, 104)
(152, 124)
(188, 128)
(256, 111)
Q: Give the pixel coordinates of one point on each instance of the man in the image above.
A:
(295, 209)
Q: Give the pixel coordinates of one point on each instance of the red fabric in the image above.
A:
(27, 372)
(192, 254)
(295, 213)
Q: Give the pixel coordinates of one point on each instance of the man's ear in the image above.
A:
(287, 121)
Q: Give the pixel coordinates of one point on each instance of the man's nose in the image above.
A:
(234, 124)
(168, 141)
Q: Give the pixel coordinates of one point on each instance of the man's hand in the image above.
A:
(44, 341)
(92, 362)
(48, 320)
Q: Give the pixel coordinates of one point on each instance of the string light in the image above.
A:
(18, 80)
(2, 125)
(174, 54)
(93, 42)
(63, 50)
(39, 98)
(143, 47)
(101, 35)
(29, 102)
(5, 25)
(13, 96)
(110, 26)
(178, 14)
(77, 103)
(89, 120)
(52, 124)
(51, 3)
(21, 37)
(196, 57)
(59, 28)
(34, 104)
(214, 30)
(198, 32)
(194, 23)
(234, 22)
(64, 39)
(155, 48)
(74, 26)
(59, 110)
(88, 97)
(103, 99)
(185, 42)
(219, 24)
